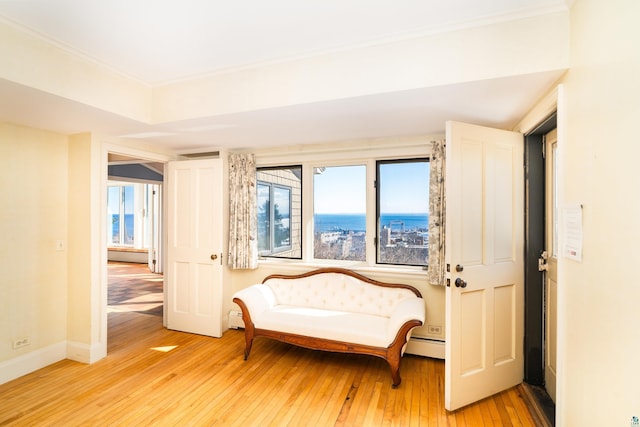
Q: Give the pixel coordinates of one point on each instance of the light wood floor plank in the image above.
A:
(154, 376)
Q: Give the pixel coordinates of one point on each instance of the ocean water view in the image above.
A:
(129, 220)
(357, 222)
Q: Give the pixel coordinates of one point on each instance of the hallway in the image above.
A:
(132, 287)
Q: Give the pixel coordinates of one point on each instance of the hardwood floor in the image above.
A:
(154, 376)
(132, 287)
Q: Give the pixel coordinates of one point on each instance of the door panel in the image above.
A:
(194, 247)
(485, 238)
(551, 276)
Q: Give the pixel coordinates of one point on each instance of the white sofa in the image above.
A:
(333, 309)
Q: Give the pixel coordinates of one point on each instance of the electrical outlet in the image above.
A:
(436, 330)
(21, 342)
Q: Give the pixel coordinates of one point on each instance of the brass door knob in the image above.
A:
(460, 283)
(214, 257)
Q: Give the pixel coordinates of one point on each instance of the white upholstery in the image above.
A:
(332, 306)
(355, 328)
(335, 291)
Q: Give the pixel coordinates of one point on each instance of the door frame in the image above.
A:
(535, 189)
(102, 301)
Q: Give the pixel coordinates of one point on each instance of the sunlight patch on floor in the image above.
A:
(165, 349)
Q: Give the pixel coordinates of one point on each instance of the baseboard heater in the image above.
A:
(428, 347)
(235, 320)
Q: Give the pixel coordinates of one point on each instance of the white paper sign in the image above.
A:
(572, 232)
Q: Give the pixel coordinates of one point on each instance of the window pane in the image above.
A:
(280, 211)
(129, 212)
(403, 206)
(339, 216)
(113, 215)
(264, 209)
(281, 217)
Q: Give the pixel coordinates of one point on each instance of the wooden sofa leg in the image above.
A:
(394, 364)
(248, 341)
(395, 376)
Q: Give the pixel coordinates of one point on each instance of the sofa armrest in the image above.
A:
(405, 311)
(257, 298)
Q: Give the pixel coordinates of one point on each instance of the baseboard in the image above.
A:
(425, 347)
(29, 362)
(85, 353)
(540, 405)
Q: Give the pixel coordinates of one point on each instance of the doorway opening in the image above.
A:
(536, 242)
(135, 282)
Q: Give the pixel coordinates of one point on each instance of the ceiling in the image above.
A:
(160, 41)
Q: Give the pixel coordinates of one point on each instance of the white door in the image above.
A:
(551, 274)
(484, 248)
(193, 273)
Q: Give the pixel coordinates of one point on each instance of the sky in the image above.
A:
(342, 189)
(113, 200)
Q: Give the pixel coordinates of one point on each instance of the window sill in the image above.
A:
(127, 249)
(286, 264)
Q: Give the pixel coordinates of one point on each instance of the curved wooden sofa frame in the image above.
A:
(391, 354)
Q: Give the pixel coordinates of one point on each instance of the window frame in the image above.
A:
(273, 252)
(360, 152)
(272, 220)
(124, 189)
(367, 250)
(378, 186)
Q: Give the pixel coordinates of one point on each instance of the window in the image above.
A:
(366, 211)
(279, 194)
(128, 205)
(403, 206)
(339, 213)
(120, 201)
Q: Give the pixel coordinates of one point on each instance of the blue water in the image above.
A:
(128, 226)
(323, 222)
(357, 222)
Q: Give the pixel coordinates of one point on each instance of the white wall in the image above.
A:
(599, 298)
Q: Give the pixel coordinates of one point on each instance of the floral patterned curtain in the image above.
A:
(437, 203)
(243, 222)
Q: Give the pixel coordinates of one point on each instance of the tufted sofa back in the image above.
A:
(335, 291)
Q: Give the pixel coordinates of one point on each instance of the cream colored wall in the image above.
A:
(469, 54)
(487, 51)
(351, 152)
(87, 341)
(33, 217)
(29, 60)
(433, 295)
(599, 298)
